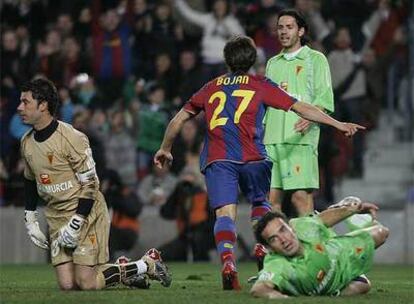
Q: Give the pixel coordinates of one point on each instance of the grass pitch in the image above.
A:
(192, 283)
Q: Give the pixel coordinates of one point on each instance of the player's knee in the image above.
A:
(65, 286)
(364, 287)
(299, 197)
(85, 282)
(380, 235)
(384, 232)
(257, 290)
(254, 291)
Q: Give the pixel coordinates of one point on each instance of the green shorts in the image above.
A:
(294, 166)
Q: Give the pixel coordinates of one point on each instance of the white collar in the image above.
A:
(290, 56)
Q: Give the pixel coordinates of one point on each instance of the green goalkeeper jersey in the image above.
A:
(328, 264)
(306, 76)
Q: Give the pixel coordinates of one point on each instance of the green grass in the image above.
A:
(192, 283)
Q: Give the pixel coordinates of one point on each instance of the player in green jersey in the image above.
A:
(291, 141)
(307, 258)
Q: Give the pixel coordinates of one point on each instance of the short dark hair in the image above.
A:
(43, 90)
(300, 20)
(262, 223)
(240, 54)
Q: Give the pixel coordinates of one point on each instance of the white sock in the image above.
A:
(142, 266)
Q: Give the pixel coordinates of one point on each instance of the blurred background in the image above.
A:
(124, 68)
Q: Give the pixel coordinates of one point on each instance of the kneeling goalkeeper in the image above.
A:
(60, 169)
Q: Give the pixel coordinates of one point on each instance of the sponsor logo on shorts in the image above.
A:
(55, 188)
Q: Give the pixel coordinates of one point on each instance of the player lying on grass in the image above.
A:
(59, 168)
(307, 258)
(233, 154)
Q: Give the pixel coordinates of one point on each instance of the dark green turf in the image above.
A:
(192, 283)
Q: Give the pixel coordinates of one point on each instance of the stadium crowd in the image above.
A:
(124, 68)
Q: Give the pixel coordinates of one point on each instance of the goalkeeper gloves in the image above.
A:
(33, 230)
(70, 233)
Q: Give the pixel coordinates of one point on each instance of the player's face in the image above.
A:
(289, 33)
(281, 238)
(29, 109)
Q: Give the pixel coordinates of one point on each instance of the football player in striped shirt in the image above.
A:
(233, 155)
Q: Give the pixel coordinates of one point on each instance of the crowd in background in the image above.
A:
(123, 68)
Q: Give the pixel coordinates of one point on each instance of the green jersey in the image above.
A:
(328, 264)
(306, 77)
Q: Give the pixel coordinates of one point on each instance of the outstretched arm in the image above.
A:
(163, 155)
(338, 212)
(266, 290)
(312, 113)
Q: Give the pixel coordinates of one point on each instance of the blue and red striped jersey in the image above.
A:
(234, 106)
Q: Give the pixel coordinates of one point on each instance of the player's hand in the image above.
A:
(162, 158)
(33, 230)
(371, 208)
(302, 125)
(349, 129)
(70, 233)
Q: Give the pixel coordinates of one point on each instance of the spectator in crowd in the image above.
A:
(163, 36)
(318, 28)
(120, 150)
(64, 25)
(165, 75)
(266, 37)
(80, 122)
(141, 28)
(14, 67)
(86, 93)
(218, 26)
(156, 187)
(349, 83)
(187, 141)
(189, 77)
(33, 14)
(50, 61)
(189, 207)
(111, 50)
(74, 62)
(126, 208)
(152, 121)
(350, 14)
(376, 68)
(254, 14)
(66, 110)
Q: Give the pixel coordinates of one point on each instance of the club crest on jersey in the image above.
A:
(92, 238)
(45, 179)
(284, 85)
(298, 69)
(50, 157)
